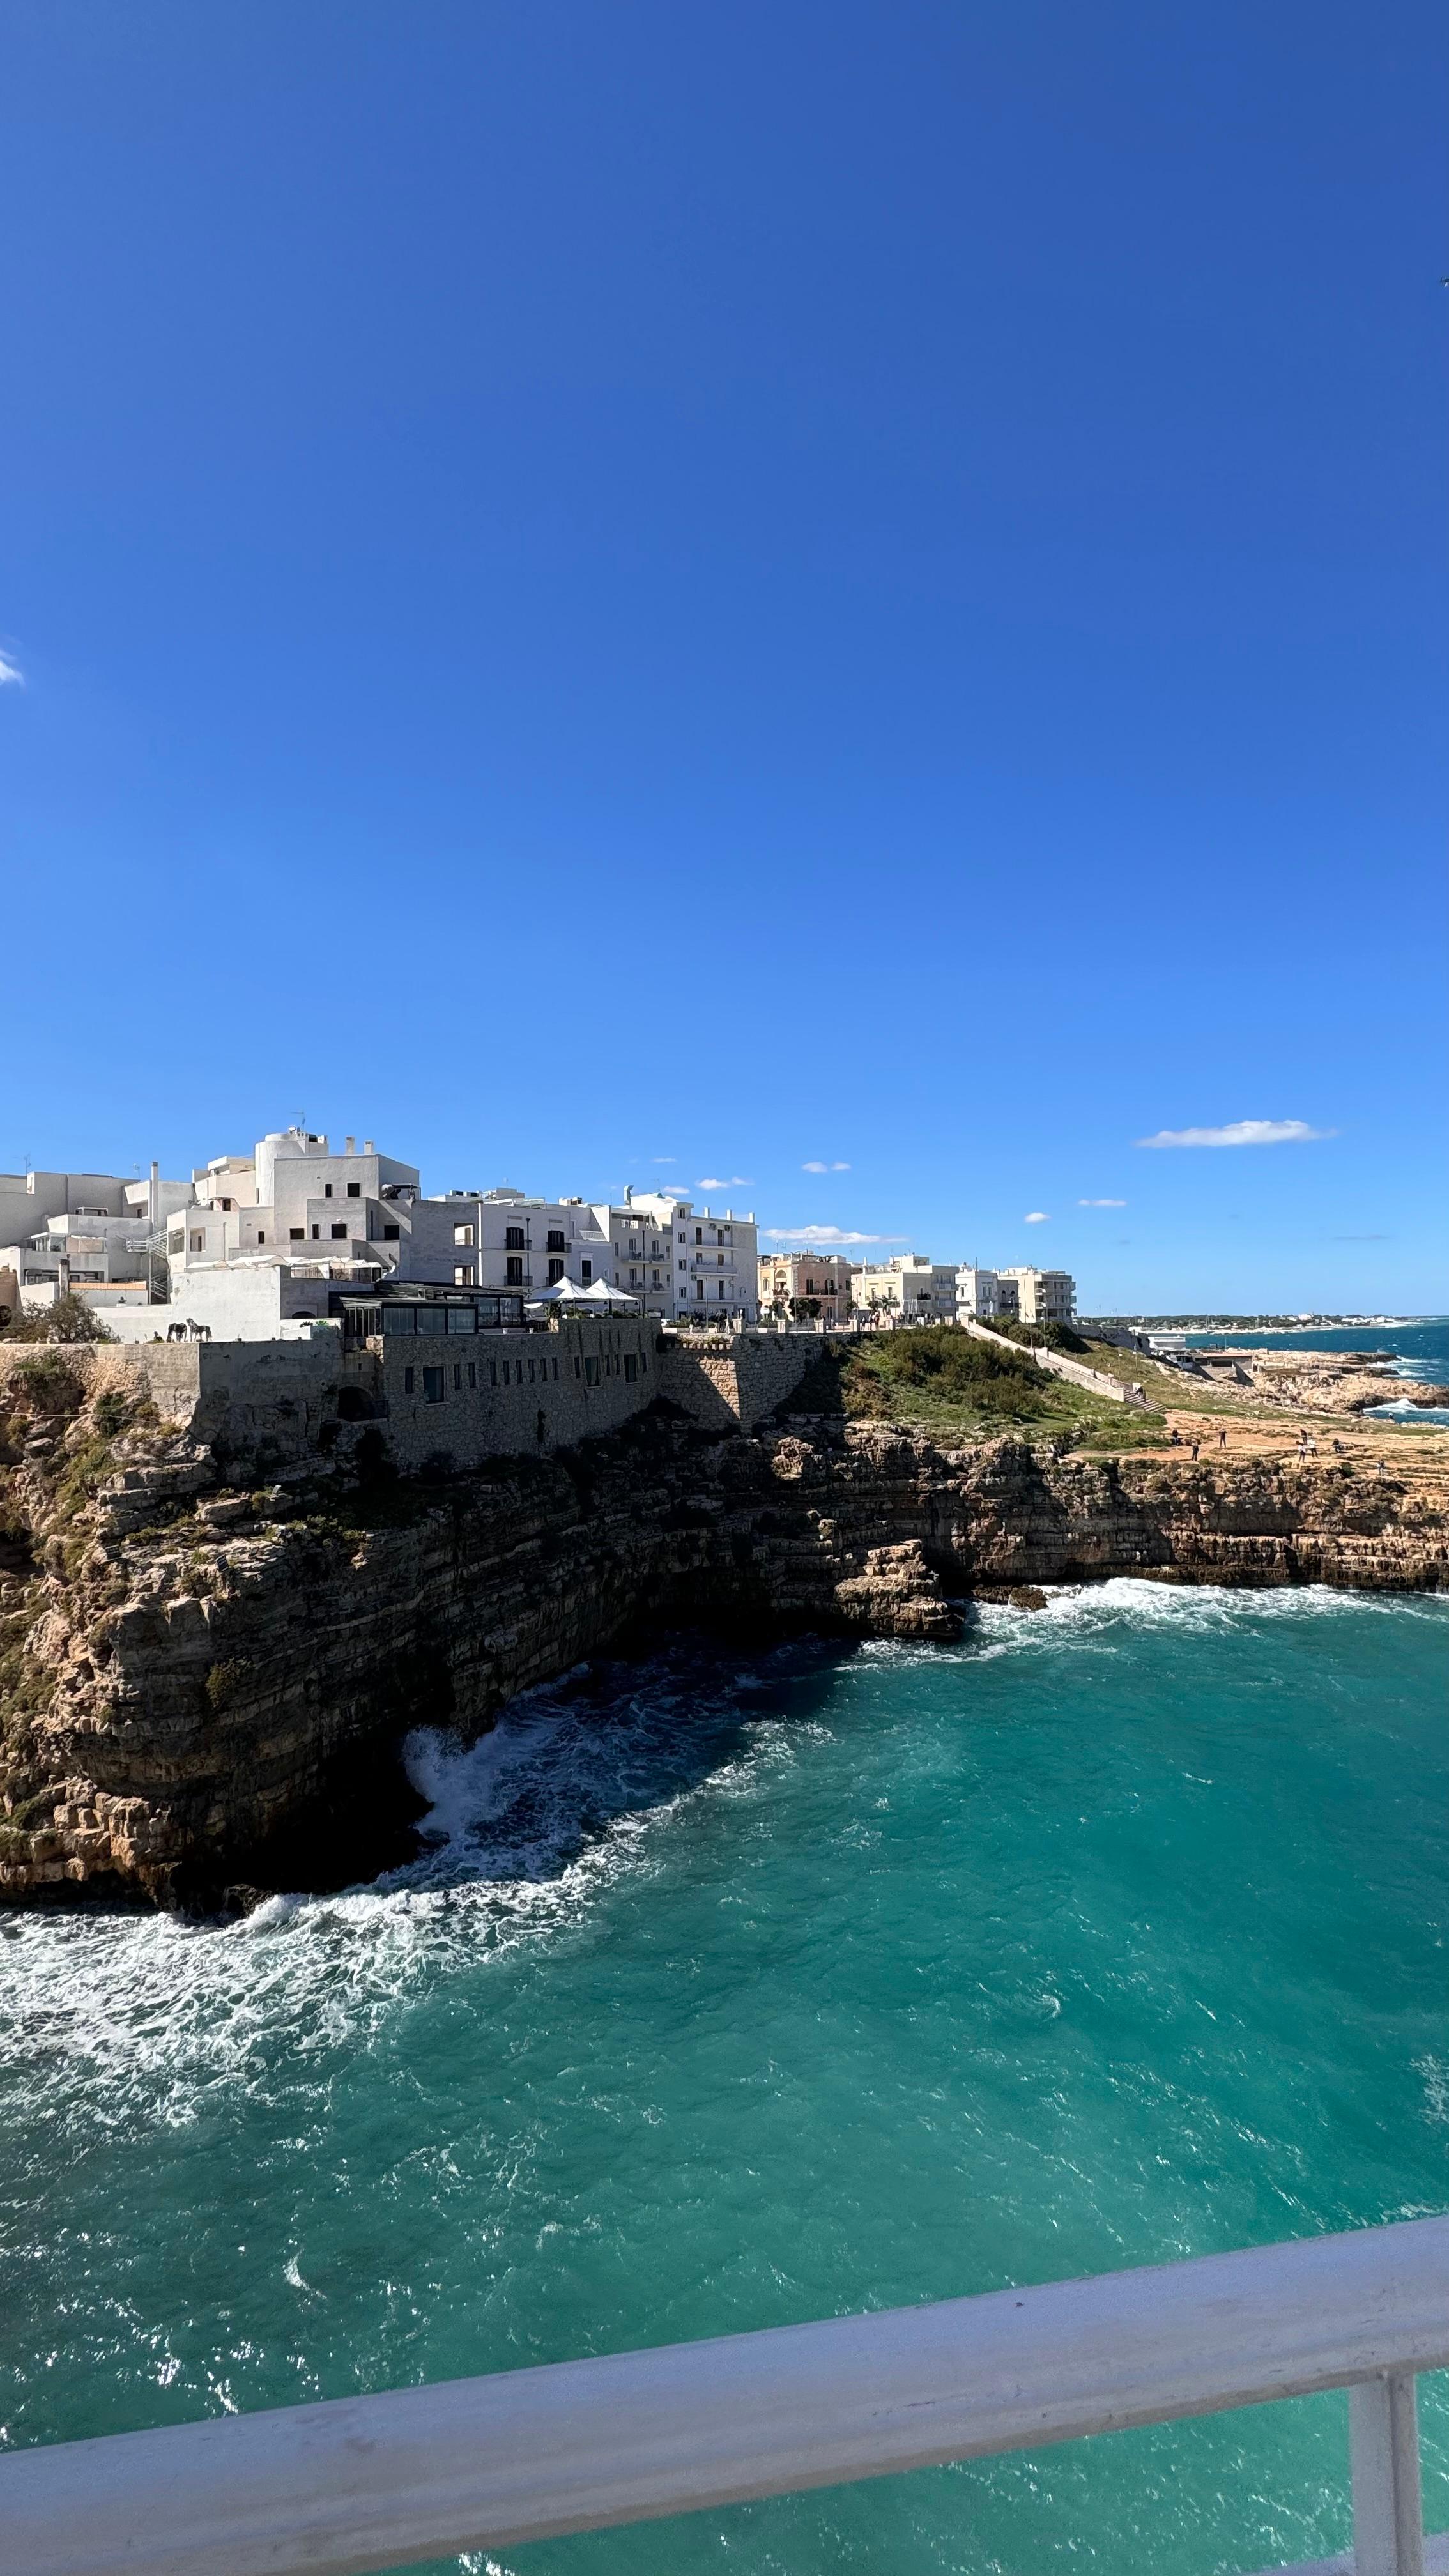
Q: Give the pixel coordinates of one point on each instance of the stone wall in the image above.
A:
(734, 1381)
(510, 1393)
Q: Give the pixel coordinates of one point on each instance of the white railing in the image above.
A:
(1056, 1363)
(487, 2464)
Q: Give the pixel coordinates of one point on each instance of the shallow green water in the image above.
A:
(734, 1996)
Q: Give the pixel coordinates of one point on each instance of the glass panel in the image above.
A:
(461, 1319)
(399, 1319)
(432, 1319)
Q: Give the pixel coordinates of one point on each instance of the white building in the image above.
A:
(1043, 1296)
(909, 1286)
(678, 1260)
(978, 1293)
(81, 1230)
(503, 1238)
(294, 1191)
(716, 1270)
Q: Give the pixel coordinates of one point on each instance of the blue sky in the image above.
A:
(662, 593)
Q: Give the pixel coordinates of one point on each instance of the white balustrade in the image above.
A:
(489, 2464)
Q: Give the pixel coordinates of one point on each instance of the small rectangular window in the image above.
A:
(578, 1368)
(433, 1385)
(514, 1268)
(462, 1234)
(458, 1376)
(316, 1234)
(327, 1189)
(493, 1372)
(506, 1379)
(513, 1238)
(392, 1233)
(472, 1372)
(339, 1234)
(462, 1274)
(354, 1189)
(410, 1377)
(629, 1368)
(261, 1237)
(555, 1239)
(555, 1372)
(586, 1271)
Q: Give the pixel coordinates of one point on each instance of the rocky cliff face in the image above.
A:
(204, 1681)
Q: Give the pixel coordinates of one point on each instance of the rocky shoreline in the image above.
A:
(205, 1675)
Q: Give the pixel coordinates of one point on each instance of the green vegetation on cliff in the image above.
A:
(952, 1383)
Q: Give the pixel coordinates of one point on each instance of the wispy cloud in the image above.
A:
(734, 1181)
(11, 675)
(827, 1234)
(1243, 1131)
(825, 1167)
(1101, 1203)
(1038, 1216)
(664, 1158)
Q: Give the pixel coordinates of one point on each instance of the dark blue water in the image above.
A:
(731, 1996)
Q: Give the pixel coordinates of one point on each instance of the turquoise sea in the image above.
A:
(730, 1994)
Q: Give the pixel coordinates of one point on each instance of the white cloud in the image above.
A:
(825, 1167)
(826, 1234)
(664, 1158)
(1038, 1216)
(11, 675)
(1101, 1203)
(735, 1181)
(1243, 1131)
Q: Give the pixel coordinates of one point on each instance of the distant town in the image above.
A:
(262, 1246)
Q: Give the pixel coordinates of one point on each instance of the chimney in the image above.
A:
(349, 1144)
(368, 1146)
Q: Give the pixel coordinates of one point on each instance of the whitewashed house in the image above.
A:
(978, 1293)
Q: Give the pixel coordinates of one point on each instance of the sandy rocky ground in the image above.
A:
(1263, 1401)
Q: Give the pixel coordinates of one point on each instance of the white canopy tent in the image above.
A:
(598, 1294)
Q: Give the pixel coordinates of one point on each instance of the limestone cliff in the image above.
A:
(204, 1677)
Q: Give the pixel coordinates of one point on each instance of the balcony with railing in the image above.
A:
(489, 2464)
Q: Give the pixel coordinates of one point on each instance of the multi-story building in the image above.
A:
(81, 1230)
(716, 1264)
(1043, 1296)
(805, 1283)
(295, 1199)
(978, 1293)
(503, 1238)
(909, 1286)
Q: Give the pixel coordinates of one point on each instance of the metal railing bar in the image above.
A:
(361, 2483)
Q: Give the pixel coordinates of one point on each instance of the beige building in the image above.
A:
(1043, 1296)
(907, 1286)
(805, 1283)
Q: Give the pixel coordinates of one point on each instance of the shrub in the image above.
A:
(223, 1680)
(943, 1368)
(70, 1319)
